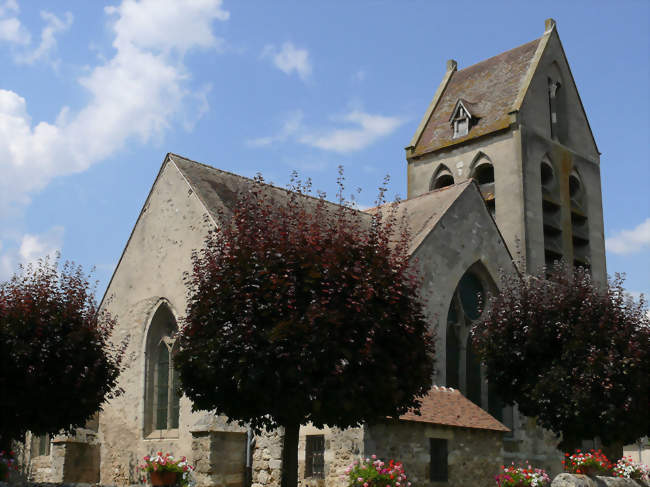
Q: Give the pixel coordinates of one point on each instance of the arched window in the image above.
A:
(441, 178)
(483, 174)
(463, 368)
(162, 398)
(551, 213)
(579, 221)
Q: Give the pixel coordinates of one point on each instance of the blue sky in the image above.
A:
(93, 94)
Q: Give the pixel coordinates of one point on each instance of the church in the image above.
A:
(503, 176)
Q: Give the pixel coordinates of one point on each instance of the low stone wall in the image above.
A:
(570, 480)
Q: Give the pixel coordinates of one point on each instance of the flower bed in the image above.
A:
(162, 464)
(373, 472)
(629, 469)
(593, 462)
(513, 476)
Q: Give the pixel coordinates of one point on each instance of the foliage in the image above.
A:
(7, 464)
(301, 311)
(571, 354)
(376, 473)
(512, 476)
(54, 347)
(167, 463)
(627, 468)
(593, 462)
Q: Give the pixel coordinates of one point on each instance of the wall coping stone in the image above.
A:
(573, 480)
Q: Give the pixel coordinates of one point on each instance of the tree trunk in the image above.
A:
(290, 456)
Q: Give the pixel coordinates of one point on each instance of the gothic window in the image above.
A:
(483, 174)
(579, 221)
(441, 178)
(463, 368)
(162, 398)
(314, 456)
(553, 95)
(551, 214)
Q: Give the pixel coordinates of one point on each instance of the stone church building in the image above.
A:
(503, 176)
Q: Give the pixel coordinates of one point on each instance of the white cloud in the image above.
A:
(289, 59)
(31, 248)
(630, 241)
(53, 26)
(8, 6)
(366, 130)
(166, 25)
(13, 32)
(137, 93)
(291, 125)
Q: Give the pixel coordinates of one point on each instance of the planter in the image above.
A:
(164, 478)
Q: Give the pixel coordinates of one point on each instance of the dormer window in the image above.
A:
(461, 118)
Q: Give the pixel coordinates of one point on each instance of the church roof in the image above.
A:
(448, 407)
(492, 88)
(423, 212)
(218, 191)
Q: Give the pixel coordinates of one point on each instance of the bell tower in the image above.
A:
(516, 125)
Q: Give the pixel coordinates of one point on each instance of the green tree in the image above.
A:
(571, 354)
(57, 365)
(304, 311)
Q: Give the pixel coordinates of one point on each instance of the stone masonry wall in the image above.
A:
(474, 455)
(267, 459)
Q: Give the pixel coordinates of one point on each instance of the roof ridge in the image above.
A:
(252, 180)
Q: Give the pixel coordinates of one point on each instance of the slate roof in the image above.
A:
(491, 87)
(218, 190)
(425, 211)
(448, 407)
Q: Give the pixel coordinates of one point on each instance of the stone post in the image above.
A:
(219, 458)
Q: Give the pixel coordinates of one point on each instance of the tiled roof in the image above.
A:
(491, 87)
(448, 407)
(423, 212)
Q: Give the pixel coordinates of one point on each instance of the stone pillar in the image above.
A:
(74, 461)
(219, 458)
(267, 459)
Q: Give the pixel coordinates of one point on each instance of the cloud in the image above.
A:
(366, 130)
(630, 241)
(31, 248)
(289, 59)
(137, 94)
(11, 30)
(53, 26)
(291, 125)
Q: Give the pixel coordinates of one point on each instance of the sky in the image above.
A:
(94, 94)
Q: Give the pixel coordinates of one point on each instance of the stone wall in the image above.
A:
(474, 455)
(267, 459)
(569, 480)
(342, 447)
